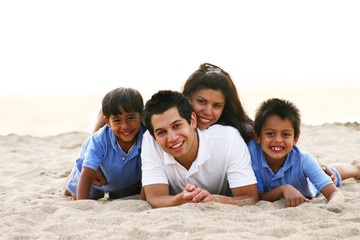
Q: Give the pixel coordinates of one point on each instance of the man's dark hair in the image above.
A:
(162, 101)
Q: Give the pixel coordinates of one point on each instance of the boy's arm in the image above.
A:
(99, 179)
(328, 172)
(292, 196)
(158, 195)
(86, 178)
(332, 194)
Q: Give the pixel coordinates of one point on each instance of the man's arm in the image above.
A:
(86, 177)
(158, 195)
(246, 195)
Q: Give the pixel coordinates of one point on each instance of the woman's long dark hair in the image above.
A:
(209, 76)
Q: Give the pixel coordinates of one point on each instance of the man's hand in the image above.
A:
(292, 196)
(193, 194)
(99, 179)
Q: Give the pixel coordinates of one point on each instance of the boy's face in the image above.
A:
(175, 135)
(125, 126)
(276, 138)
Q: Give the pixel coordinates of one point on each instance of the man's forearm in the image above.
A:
(165, 200)
(239, 201)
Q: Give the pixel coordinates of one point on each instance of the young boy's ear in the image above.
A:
(296, 139)
(256, 137)
(107, 121)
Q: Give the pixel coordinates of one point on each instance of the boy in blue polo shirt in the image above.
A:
(113, 150)
(281, 168)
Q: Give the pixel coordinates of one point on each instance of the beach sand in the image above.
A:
(34, 171)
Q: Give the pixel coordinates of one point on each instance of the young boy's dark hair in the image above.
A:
(282, 108)
(128, 98)
(162, 101)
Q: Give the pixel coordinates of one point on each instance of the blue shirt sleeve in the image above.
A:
(316, 175)
(259, 184)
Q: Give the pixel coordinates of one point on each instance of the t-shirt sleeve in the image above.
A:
(153, 171)
(240, 172)
(95, 153)
(255, 162)
(313, 171)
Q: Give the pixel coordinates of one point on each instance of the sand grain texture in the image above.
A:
(34, 171)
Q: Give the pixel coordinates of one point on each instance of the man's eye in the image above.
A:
(159, 133)
(269, 133)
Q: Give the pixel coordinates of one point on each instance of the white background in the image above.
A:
(62, 48)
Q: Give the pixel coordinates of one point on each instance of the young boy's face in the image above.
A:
(175, 135)
(276, 138)
(125, 126)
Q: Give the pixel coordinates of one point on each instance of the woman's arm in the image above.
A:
(100, 122)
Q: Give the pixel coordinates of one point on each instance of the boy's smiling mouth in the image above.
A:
(127, 133)
(277, 149)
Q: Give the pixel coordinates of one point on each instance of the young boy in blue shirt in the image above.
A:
(281, 168)
(113, 150)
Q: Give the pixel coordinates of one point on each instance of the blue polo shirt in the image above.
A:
(299, 170)
(101, 150)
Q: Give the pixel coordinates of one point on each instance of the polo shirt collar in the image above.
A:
(136, 149)
(287, 164)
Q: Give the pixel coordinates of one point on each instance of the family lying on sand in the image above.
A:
(200, 146)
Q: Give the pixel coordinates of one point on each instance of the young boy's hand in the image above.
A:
(99, 179)
(329, 172)
(292, 196)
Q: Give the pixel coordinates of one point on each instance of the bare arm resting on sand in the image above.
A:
(332, 194)
(292, 196)
(158, 196)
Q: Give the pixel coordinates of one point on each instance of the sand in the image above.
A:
(34, 171)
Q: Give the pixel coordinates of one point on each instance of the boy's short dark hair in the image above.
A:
(282, 108)
(162, 101)
(128, 98)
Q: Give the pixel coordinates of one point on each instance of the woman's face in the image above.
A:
(208, 104)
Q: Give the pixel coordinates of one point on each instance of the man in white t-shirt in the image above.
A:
(182, 164)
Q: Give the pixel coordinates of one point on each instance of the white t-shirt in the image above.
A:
(223, 161)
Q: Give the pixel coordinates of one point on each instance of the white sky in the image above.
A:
(80, 47)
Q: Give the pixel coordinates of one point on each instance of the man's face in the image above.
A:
(175, 135)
